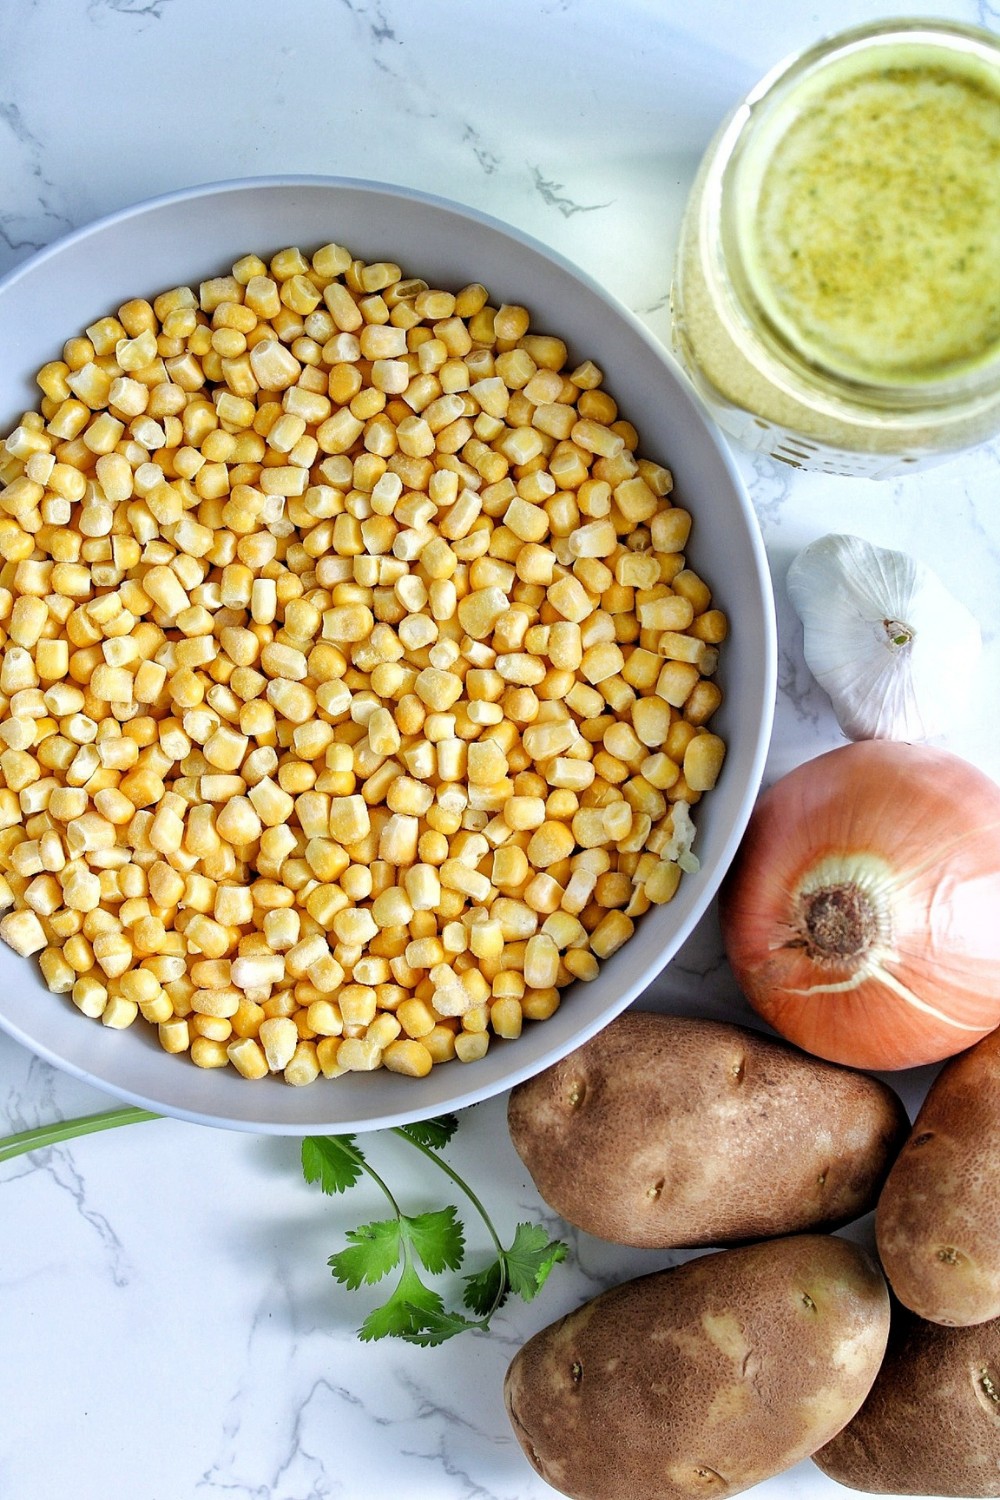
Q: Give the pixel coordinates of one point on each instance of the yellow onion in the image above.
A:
(861, 917)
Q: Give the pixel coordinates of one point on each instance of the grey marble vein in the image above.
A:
(138, 9)
(555, 195)
(13, 119)
(439, 1460)
(40, 215)
(489, 159)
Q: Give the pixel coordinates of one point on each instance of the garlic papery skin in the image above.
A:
(894, 650)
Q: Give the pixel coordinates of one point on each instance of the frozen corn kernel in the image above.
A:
(610, 933)
(303, 1067)
(471, 1046)
(703, 761)
(119, 1013)
(507, 1018)
(248, 1057)
(22, 931)
(541, 961)
(582, 964)
(207, 1052)
(408, 1056)
(90, 996)
(174, 1035)
(357, 1055)
(279, 1037)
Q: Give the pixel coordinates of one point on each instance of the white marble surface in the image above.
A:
(168, 1326)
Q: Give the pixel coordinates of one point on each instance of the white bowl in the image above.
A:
(187, 236)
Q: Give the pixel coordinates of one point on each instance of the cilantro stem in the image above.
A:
(459, 1182)
(67, 1130)
(358, 1157)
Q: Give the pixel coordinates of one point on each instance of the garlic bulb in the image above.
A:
(895, 651)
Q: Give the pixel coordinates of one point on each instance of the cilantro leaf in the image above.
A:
(387, 1321)
(333, 1161)
(530, 1259)
(434, 1327)
(437, 1239)
(486, 1290)
(435, 1133)
(404, 1313)
(373, 1251)
(523, 1270)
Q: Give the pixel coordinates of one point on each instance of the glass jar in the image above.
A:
(836, 298)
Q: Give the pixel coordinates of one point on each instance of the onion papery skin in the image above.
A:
(917, 831)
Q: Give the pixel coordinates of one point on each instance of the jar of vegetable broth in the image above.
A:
(837, 292)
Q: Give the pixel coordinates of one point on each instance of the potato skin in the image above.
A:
(931, 1423)
(938, 1218)
(667, 1131)
(704, 1379)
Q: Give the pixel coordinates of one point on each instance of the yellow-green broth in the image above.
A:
(874, 247)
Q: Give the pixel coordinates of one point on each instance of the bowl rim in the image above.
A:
(763, 590)
(321, 180)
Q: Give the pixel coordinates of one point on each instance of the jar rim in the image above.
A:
(803, 73)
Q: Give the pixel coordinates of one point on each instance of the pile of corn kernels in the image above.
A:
(353, 684)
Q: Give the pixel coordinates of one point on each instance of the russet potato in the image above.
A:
(703, 1379)
(938, 1218)
(667, 1131)
(931, 1423)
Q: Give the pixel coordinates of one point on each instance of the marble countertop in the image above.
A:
(168, 1324)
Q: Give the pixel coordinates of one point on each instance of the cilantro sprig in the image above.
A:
(432, 1241)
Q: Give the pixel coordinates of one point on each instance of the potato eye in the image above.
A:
(987, 1387)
